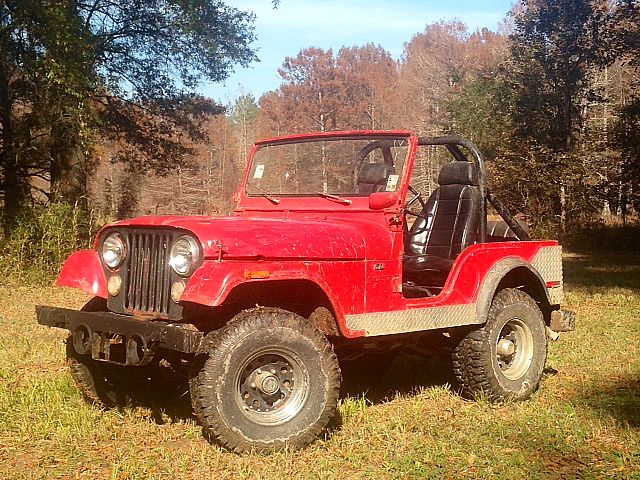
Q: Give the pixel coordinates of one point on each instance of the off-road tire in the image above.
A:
(515, 318)
(297, 376)
(108, 385)
(86, 372)
(96, 387)
(103, 384)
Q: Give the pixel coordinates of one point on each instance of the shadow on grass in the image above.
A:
(603, 271)
(163, 403)
(380, 380)
(403, 374)
(618, 398)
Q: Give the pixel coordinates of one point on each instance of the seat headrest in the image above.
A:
(458, 173)
(371, 173)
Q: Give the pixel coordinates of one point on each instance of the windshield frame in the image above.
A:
(370, 136)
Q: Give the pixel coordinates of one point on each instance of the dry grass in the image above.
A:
(584, 422)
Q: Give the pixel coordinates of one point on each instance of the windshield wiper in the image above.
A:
(335, 198)
(264, 193)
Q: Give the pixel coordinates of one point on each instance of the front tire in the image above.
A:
(268, 380)
(505, 357)
(103, 384)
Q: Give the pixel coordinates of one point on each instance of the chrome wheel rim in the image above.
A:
(272, 387)
(514, 349)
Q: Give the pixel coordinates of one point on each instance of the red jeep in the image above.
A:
(331, 252)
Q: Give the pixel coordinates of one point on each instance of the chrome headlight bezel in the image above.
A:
(185, 255)
(113, 251)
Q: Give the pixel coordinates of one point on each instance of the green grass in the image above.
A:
(583, 423)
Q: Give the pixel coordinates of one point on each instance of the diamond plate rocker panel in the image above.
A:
(414, 320)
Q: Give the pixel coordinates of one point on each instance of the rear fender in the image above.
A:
(84, 271)
(497, 273)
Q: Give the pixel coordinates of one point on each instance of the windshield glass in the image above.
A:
(337, 166)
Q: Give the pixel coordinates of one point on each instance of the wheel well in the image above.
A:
(524, 279)
(303, 297)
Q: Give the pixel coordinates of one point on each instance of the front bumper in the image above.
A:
(99, 333)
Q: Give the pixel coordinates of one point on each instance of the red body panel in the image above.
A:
(213, 281)
(83, 270)
(342, 281)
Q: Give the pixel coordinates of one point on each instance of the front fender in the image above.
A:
(211, 283)
(84, 271)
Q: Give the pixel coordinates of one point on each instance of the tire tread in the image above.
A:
(470, 364)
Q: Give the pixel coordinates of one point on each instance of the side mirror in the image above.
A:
(382, 200)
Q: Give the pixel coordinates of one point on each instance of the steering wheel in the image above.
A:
(417, 197)
(379, 186)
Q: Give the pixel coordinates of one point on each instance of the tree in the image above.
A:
(435, 68)
(322, 91)
(621, 31)
(550, 75)
(309, 97)
(552, 55)
(244, 115)
(369, 76)
(70, 67)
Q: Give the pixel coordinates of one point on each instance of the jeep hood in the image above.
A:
(246, 237)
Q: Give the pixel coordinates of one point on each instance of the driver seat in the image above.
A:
(373, 177)
(447, 225)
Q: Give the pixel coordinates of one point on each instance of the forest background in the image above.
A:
(100, 120)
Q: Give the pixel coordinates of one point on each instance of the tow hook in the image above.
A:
(82, 338)
(138, 353)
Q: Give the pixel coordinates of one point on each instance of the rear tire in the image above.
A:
(505, 357)
(268, 380)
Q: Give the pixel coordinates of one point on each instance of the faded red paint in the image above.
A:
(356, 287)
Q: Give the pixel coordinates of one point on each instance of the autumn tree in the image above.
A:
(369, 76)
(436, 66)
(308, 99)
(322, 91)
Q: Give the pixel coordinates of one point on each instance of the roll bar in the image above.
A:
(453, 144)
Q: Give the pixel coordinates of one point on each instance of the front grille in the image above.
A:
(147, 274)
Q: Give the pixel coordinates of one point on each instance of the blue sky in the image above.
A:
(297, 24)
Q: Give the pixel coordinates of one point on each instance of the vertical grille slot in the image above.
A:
(148, 279)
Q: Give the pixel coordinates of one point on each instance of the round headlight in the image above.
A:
(185, 255)
(113, 250)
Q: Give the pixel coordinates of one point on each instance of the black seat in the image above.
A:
(447, 224)
(373, 177)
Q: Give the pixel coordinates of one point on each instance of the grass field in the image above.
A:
(583, 423)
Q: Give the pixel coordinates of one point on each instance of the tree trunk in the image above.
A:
(563, 207)
(68, 174)
(68, 162)
(14, 182)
